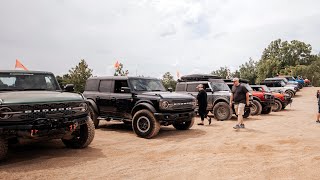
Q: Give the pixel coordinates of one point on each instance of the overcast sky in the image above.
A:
(150, 37)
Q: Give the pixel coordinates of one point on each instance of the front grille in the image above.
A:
(182, 105)
(45, 110)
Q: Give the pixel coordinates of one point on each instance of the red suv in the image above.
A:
(280, 100)
(262, 101)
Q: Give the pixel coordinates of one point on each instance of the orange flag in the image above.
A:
(116, 65)
(20, 65)
(178, 74)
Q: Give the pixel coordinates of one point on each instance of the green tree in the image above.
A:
(168, 81)
(120, 72)
(78, 76)
(222, 72)
(248, 71)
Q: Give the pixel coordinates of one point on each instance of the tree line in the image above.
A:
(292, 58)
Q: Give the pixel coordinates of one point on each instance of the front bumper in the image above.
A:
(175, 117)
(287, 102)
(267, 103)
(43, 127)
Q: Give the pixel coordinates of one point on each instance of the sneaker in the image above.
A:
(318, 121)
(242, 126)
(200, 124)
(236, 126)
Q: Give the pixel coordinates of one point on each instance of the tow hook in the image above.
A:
(72, 127)
(33, 132)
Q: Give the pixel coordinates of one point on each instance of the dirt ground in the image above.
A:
(282, 145)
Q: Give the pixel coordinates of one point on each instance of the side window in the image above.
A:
(205, 86)
(192, 87)
(118, 84)
(277, 84)
(92, 85)
(180, 87)
(105, 86)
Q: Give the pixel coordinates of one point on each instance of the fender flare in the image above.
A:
(93, 104)
(143, 105)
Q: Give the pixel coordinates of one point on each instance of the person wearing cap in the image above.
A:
(240, 97)
(202, 103)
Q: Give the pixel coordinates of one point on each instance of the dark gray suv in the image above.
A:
(217, 90)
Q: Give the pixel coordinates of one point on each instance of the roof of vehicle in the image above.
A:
(25, 72)
(199, 77)
(256, 85)
(240, 80)
(121, 77)
(275, 78)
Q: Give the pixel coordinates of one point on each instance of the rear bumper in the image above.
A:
(173, 117)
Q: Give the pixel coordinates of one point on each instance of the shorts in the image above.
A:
(239, 108)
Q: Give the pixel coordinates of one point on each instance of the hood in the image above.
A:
(222, 93)
(26, 97)
(168, 95)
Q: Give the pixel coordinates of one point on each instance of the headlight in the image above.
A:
(84, 107)
(164, 104)
(5, 113)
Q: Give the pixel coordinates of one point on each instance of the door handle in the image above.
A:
(98, 97)
(113, 99)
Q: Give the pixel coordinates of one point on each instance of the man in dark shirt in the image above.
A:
(240, 97)
(202, 102)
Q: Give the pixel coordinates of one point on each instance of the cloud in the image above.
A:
(150, 37)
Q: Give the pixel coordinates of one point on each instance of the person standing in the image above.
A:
(202, 103)
(318, 97)
(240, 97)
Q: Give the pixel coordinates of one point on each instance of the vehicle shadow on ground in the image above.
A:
(166, 132)
(30, 156)
(171, 134)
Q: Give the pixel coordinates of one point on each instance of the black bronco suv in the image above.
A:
(142, 102)
(34, 108)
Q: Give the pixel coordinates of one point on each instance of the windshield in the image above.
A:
(147, 85)
(285, 80)
(265, 88)
(27, 81)
(220, 86)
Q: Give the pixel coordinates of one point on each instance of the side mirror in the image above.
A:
(69, 88)
(125, 90)
(170, 89)
(208, 90)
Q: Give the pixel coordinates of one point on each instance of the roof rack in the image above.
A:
(198, 77)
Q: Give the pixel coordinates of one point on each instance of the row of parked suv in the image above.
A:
(33, 107)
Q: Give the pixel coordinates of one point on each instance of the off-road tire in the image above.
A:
(256, 108)
(83, 136)
(277, 106)
(266, 110)
(222, 111)
(93, 115)
(3, 148)
(144, 124)
(290, 92)
(184, 125)
(300, 86)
